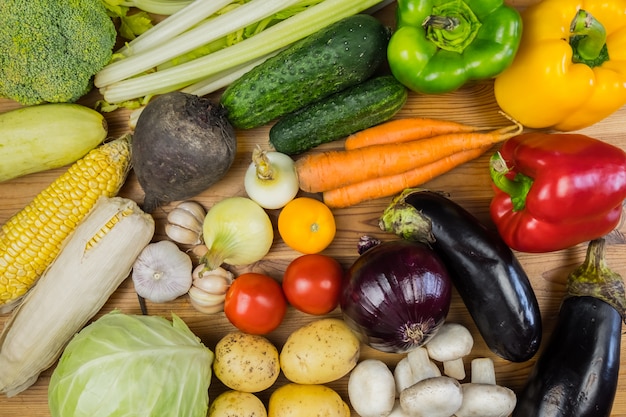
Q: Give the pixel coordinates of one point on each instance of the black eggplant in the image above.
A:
(576, 373)
(483, 269)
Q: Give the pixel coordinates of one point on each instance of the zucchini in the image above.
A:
(577, 372)
(343, 54)
(487, 275)
(338, 115)
(47, 136)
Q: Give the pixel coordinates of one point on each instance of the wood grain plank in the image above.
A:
(469, 185)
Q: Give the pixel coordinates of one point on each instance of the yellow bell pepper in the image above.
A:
(570, 68)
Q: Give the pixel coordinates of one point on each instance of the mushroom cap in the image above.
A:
(452, 341)
(372, 388)
(439, 396)
(486, 400)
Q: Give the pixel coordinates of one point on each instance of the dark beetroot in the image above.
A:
(182, 145)
(396, 296)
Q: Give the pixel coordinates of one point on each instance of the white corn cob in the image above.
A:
(97, 257)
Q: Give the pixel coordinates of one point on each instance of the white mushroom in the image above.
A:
(421, 365)
(482, 397)
(483, 371)
(397, 411)
(439, 396)
(414, 367)
(402, 375)
(450, 345)
(371, 388)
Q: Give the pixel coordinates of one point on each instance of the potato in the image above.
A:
(320, 352)
(246, 362)
(298, 400)
(237, 404)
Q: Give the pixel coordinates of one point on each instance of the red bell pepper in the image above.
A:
(554, 191)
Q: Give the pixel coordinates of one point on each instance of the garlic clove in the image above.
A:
(211, 309)
(204, 298)
(194, 209)
(183, 218)
(184, 223)
(183, 235)
(212, 285)
(199, 250)
(202, 271)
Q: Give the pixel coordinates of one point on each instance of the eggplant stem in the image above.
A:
(595, 279)
(405, 221)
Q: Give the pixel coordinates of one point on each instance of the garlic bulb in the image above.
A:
(162, 272)
(208, 288)
(184, 223)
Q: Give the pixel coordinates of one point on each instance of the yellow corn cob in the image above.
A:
(92, 264)
(33, 237)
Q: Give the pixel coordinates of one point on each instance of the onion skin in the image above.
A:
(392, 288)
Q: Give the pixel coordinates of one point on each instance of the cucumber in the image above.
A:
(46, 136)
(338, 115)
(343, 54)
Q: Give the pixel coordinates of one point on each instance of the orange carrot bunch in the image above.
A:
(385, 159)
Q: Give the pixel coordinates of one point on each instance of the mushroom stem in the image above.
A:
(421, 365)
(483, 371)
(450, 345)
(454, 368)
(482, 397)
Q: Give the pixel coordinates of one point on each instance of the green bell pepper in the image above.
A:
(440, 45)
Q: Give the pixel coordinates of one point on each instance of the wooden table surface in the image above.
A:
(469, 185)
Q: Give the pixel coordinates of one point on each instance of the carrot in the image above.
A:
(386, 186)
(404, 130)
(325, 171)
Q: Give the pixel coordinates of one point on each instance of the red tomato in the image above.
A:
(312, 283)
(255, 303)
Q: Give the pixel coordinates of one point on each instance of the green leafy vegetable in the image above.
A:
(132, 365)
(255, 34)
(50, 50)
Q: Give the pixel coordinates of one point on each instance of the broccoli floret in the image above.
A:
(50, 49)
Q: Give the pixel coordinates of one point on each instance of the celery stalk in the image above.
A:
(174, 25)
(222, 79)
(164, 7)
(271, 39)
(187, 41)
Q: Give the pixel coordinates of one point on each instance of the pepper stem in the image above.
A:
(452, 26)
(588, 39)
(517, 188)
(595, 279)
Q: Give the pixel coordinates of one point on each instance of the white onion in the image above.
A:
(237, 231)
(271, 179)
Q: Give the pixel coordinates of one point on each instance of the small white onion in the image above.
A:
(271, 179)
(162, 272)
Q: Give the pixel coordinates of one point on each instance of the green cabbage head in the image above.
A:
(132, 366)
